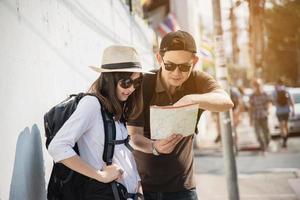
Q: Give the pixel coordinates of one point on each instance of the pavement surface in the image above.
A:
(279, 185)
(274, 175)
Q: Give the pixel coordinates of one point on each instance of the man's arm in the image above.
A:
(143, 144)
(216, 101)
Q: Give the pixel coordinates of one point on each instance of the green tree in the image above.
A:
(282, 25)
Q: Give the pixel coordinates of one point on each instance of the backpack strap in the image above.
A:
(109, 139)
(109, 145)
(110, 142)
(125, 142)
(110, 136)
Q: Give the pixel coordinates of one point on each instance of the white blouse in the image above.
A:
(85, 126)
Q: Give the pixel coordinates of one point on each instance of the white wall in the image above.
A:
(45, 48)
(187, 13)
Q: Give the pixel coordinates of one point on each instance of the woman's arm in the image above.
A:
(106, 175)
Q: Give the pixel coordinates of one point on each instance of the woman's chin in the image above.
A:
(123, 98)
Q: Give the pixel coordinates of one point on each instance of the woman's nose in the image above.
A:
(131, 88)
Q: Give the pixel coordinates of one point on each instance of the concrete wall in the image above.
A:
(188, 16)
(45, 48)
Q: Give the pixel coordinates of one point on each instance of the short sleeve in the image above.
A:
(205, 83)
(139, 121)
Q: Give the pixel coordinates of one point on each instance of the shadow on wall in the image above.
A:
(28, 179)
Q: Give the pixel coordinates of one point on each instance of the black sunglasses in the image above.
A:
(173, 66)
(128, 82)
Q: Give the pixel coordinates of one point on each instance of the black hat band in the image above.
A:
(125, 65)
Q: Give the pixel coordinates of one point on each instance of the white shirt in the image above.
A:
(85, 126)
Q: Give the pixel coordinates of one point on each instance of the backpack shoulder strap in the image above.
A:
(110, 136)
(109, 131)
(109, 143)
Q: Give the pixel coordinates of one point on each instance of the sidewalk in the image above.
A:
(272, 185)
(246, 139)
(260, 177)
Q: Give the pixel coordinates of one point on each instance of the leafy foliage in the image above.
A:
(282, 52)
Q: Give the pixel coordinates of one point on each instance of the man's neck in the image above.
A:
(169, 88)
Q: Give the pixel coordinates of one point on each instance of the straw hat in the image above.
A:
(118, 58)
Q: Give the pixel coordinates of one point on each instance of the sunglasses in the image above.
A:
(173, 66)
(128, 82)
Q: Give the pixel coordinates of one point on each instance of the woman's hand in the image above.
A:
(110, 173)
(140, 190)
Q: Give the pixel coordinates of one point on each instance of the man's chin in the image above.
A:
(176, 83)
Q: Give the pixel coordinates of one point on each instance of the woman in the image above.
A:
(284, 104)
(119, 91)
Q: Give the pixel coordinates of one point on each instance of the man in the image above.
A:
(166, 166)
(284, 104)
(259, 111)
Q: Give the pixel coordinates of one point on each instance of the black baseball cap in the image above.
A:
(178, 40)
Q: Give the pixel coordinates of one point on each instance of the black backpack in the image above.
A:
(282, 97)
(64, 183)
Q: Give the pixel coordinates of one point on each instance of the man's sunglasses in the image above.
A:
(128, 82)
(173, 66)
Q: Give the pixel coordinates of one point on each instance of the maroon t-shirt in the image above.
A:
(169, 172)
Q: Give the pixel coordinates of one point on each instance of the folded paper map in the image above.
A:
(167, 120)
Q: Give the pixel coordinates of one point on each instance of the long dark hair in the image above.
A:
(105, 89)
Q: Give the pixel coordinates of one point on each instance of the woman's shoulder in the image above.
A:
(90, 103)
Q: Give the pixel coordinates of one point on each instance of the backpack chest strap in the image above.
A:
(118, 142)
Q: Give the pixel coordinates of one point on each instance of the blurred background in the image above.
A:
(46, 46)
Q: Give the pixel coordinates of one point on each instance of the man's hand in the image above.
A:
(185, 100)
(167, 145)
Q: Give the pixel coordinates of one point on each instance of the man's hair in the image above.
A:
(280, 81)
(105, 88)
(162, 54)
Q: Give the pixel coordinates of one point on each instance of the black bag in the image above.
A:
(282, 97)
(64, 183)
(62, 180)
